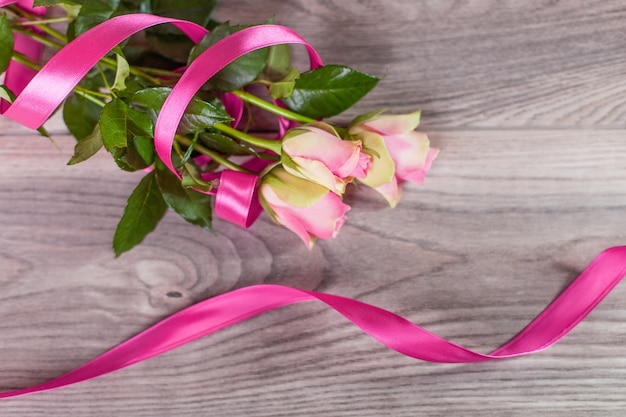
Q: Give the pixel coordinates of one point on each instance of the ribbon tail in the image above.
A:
(393, 331)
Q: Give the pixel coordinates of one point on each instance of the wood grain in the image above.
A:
(526, 101)
(480, 63)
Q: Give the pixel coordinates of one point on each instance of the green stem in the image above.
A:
(213, 155)
(35, 20)
(92, 93)
(87, 95)
(104, 79)
(157, 71)
(142, 74)
(38, 38)
(46, 21)
(52, 33)
(24, 60)
(269, 144)
(111, 64)
(83, 92)
(272, 108)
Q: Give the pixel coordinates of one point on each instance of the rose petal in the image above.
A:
(382, 166)
(322, 218)
(322, 146)
(391, 192)
(408, 151)
(418, 176)
(394, 124)
(316, 172)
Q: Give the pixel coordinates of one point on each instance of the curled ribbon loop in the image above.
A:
(66, 68)
(393, 331)
(235, 204)
(236, 199)
(209, 63)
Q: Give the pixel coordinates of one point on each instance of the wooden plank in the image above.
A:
(481, 63)
(526, 101)
(505, 221)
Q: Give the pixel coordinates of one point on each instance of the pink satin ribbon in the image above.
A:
(393, 331)
(240, 208)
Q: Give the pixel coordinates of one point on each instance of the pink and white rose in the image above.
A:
(317, 153)
(409, 152)
(308, 209)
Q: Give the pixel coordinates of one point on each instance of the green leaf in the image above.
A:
(199, 114)
(80, 116)
(329, 90)
(191, 205)
(43, 132)
(119, 156)
(6, 94)
(278, 63)
(168, 40)
(192, 178)
(144, 210)
(140, 152)
(71, 10)
(87, 147)
(172, 46)
(119, 122)
(283, 89)
(225, 144)
(365, 117)
(151, 99)
(93, 13)
(6, 43)
(133, 84)
(122, 73)
(135, 6)
(121, 125)
(197, 11)
(237, 74)
(55, 2)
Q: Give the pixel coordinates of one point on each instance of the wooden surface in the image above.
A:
(526, 100)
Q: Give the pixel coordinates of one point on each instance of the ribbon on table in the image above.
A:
(235, 197)
(393, 331)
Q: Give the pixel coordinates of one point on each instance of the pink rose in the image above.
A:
(409, 151)
(306, 208)
(315, 152)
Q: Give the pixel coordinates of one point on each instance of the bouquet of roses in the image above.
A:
(298, 175)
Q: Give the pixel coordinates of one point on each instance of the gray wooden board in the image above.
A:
(526, 100)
